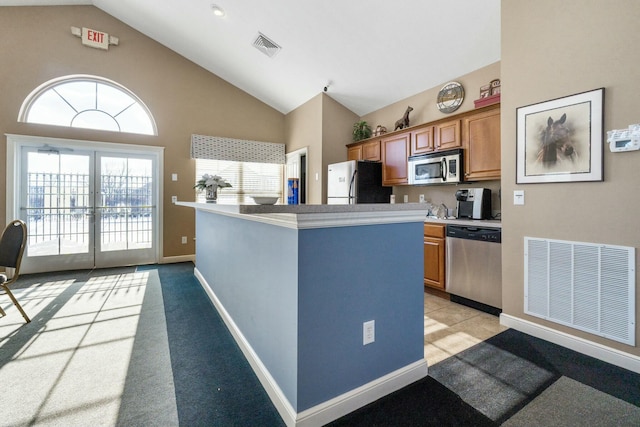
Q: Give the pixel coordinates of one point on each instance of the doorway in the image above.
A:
(296, 167)
(86, 205)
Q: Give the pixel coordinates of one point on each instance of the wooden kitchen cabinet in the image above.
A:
(447, 135)
(395, 150)
(423, 141)
(437, 137)
(369, 150)
(354, 153)
(434, 256)
(482, 145)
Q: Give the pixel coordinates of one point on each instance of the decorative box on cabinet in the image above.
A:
(395, 150)
(482, 145)
(434, 256)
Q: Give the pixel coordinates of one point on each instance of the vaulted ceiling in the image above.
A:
(367, 53)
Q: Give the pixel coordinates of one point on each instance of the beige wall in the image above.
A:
(304, 129)
(424, 103)
(552, 49)
(324, 126)
(183, 97)
(337, 130)
(425, 110)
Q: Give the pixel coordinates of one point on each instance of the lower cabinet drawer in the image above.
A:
(434, 230)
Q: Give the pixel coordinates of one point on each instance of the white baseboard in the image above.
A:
(581, 345)
(348, 402)
(330, 410)
(274, 392)
(176, 259)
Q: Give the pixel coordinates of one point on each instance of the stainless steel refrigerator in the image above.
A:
(354, 182)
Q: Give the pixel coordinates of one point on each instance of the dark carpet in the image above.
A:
(489, 384)
(214, 383)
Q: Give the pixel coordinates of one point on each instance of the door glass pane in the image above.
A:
(126, 192)
(57, 204)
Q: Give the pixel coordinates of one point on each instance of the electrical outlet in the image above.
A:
(421, 198)
(368, 332)
(406, 198)
(174, 199)
(174, 177)
(184, 240)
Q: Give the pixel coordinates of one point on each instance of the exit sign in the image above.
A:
(95, 38)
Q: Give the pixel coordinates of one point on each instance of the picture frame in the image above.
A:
(561, 140)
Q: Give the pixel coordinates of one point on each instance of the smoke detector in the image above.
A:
(265, 45)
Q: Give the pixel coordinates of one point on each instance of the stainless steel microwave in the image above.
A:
(442, 167)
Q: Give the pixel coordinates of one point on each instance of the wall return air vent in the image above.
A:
(266, 45)
(586, 286)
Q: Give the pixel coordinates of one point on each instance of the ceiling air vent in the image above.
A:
(266, 45)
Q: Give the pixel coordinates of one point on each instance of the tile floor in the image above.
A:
(450, 328)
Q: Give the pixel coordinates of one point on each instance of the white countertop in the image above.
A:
(319, 216)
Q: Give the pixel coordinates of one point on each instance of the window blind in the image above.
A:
(246, 178)
(237, 150)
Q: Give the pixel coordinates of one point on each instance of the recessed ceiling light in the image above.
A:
(217, 10)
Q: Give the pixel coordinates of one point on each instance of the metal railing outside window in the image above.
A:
(59, 213)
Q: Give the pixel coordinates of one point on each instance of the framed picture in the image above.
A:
(561, 140)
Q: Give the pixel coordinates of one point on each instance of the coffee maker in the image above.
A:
(474, 203)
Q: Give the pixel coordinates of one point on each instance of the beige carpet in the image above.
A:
(95, 353)
(570, 403)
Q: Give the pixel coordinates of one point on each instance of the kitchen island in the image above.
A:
(295, 285)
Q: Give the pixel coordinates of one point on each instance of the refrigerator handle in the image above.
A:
(353, 178)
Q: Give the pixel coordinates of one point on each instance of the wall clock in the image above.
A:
(450, 97)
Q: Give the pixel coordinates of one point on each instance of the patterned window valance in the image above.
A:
(238, 150)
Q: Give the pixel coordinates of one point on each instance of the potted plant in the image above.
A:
(361, 130)
(210, 184)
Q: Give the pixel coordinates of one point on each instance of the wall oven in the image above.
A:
(443, 167)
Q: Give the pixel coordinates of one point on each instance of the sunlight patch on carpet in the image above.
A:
(490, 379)
(569, 402)
(70, 365)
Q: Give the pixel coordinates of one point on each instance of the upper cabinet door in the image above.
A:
(371, 150)
(447, 135)
(422, 141)
(354, 153)
(395, 150)
(482, 146)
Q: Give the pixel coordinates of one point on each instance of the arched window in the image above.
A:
(89, 102)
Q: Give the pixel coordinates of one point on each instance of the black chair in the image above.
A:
(12, 243)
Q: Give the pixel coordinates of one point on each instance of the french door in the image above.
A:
(87, 208)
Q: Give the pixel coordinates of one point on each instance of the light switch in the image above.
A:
(518, 197)
(174, 177)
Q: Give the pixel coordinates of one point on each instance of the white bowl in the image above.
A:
(261, 200)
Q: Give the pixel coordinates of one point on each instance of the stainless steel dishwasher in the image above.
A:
(474, 265)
